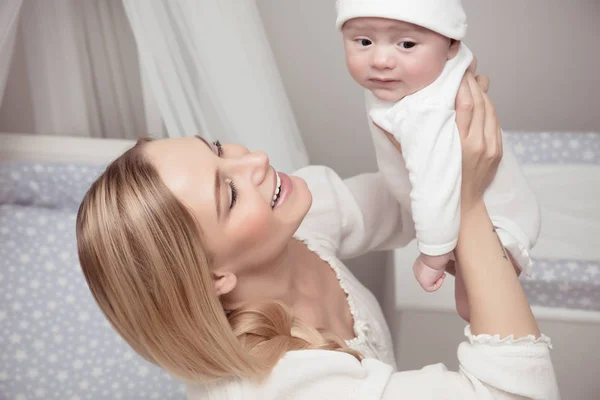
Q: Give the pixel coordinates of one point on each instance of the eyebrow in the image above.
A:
(217, 180)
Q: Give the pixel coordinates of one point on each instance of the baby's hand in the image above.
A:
(430, 277)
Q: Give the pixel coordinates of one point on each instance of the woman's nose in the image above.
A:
(383, 59)
(257, 165)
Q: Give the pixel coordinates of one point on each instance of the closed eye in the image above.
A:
(234, 194)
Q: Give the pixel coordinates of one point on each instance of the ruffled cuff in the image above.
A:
(509, 367)
(495, 340)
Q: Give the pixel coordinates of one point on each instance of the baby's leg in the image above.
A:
(430, 271)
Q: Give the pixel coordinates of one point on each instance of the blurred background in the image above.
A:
(542, 57)
(271, 74)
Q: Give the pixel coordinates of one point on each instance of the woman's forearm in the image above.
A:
(497, 303)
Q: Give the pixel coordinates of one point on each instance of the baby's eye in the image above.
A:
(407, 45)
(365, 42)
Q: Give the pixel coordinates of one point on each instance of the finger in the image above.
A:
(473, 67)
(484, 82)
(490, 129)
(493, 133)
(464, 107)
(499, 136)
(478, 120)
(438, 283)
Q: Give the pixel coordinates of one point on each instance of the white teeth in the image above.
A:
(277, 190)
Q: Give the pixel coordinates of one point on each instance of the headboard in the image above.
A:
(44, 148)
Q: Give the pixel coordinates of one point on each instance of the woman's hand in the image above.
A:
(481, 138)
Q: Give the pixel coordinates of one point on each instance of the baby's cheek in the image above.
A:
(356, 66)
(423, 73)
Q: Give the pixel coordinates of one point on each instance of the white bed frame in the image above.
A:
(425, 325)
(41, 148)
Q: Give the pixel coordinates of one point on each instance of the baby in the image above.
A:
(409, 56)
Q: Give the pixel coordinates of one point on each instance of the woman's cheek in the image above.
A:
(254, 226)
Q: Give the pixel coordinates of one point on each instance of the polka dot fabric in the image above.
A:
(57, 186)
(555, 147)
(54, 341)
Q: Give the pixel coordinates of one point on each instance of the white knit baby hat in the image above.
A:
(446, 17)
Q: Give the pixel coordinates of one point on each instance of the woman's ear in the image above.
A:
(224, 282)
(453, 50)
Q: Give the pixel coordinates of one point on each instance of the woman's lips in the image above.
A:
(286, 189)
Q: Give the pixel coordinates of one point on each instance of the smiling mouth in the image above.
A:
(277, 192)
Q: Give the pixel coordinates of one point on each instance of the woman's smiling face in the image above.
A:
(231, 192)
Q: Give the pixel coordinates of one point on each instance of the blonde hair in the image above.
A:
(142, 254)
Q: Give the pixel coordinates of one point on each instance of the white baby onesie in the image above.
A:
(427, 175)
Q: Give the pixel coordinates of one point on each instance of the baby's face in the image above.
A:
(393, 58)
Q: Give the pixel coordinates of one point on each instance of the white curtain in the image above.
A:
(189, 67)
(211, 70)
(9, 20)
(81, 68)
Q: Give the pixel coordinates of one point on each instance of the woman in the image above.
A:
(217, 268)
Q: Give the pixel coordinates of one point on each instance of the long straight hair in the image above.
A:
(143, 257)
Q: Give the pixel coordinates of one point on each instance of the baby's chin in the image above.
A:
(389, 96)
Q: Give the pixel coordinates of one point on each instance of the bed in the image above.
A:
(55, 343)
